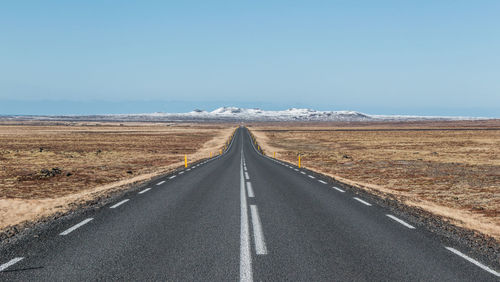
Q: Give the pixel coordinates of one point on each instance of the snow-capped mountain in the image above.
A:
(286, 115)
(242, 114)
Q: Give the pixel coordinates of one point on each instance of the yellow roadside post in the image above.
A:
(299, 161)
(275, 155)
(220, 152)
(185, 161)
(210, 154)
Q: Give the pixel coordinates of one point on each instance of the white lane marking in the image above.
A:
(258, 235)
(250, 190)
(10, 263)
(361, 201)
(401, 221)
(172, 177)
(338, 189)
(321, 181)
(302, 172)
(295, 169)
(188, 169)
(181, 172)
(71, 229)
(246, 176)
(245, 254)
(144, 191)
(160, 183)
(310, 176)
(484, 267)
(119, 204)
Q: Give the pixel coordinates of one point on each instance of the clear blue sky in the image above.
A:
(380, 57)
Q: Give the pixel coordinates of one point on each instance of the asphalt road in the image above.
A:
(241, 216)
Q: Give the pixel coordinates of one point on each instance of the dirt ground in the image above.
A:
(449, 168)
(47, 167)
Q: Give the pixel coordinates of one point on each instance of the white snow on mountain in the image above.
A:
(243, 114)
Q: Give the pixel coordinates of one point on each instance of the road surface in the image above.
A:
(240, 216)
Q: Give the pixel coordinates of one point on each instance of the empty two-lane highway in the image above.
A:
(240, 216)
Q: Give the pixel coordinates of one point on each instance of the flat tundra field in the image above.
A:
(49, 167)
(451, 169)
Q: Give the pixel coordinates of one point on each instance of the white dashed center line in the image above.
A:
(246, 176)
(246, 273)
(160, 183)
(484, 267)
(338, 189)
(144, 191)
(361, 201)
(250, 190)
(71, 229)
(401, 221)
(258, 235)
(119, 204)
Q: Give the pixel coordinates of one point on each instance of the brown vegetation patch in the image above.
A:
(452, 165)
(45, 166)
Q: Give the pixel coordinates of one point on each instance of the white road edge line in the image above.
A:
(119, 204)
(172, 177)
(361, 201)
(401, 221)
(258, 235)
(321, 181)
(338, 189)
(302, 172)
(484, 267)
(295, 169)
(160, 183)
(71, 229)
(250, 190)
(144, 191)
(310, 176)
(181, 172)
(10, 263)
(246, 176)
(245, 254)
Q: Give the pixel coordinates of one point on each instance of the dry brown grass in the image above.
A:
(453, 173)
(92, 159)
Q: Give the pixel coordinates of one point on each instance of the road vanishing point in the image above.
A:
(239, 216)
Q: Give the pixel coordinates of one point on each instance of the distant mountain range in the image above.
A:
(241, 114)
